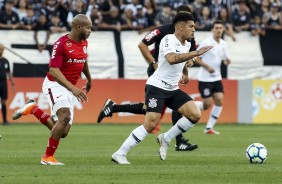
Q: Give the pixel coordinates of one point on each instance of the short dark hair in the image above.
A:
(217, 22)
(182, 16)
(183, 8)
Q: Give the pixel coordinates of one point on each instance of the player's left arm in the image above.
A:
(10, 75)
(226, 59)
(87, 74)
(185, 77)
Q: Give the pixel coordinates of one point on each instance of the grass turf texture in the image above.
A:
(88, 148)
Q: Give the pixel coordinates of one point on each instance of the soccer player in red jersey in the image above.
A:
(68, 60)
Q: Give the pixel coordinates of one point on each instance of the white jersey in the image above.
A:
(213, 58)
(167, 76)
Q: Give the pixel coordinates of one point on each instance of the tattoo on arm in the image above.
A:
(176, 57)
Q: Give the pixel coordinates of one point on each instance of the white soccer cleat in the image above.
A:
(120, 159)
(24, 110)
(211, 131)
(164, 145)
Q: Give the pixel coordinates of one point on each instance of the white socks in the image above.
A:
(183, 124)
(200, 104)
(215, 113)
(136, 136)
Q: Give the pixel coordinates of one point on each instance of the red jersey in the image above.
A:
(69, 56)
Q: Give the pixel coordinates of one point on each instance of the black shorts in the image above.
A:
(3, 90)
(156, 98)
(207, 89)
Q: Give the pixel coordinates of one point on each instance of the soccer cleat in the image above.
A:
(163, 146)
(183, 145)
(106, 110)
(211, 131)
(24, 110)
(120, 159)
(50, 161)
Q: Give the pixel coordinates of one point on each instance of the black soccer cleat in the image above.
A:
(106, 110)
(184, 145)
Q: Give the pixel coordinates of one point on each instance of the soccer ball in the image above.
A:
(256, 153)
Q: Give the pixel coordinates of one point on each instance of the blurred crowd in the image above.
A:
(143, 15)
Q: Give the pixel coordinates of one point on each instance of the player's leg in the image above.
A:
(153, 115)
(31, 108)
(111, 107)
(158, 126)
(4, 96)
(182, 144)
(4, 112)
(215, 113)
(135, 137)
(191, 114)
(64, 119)
(217, 107)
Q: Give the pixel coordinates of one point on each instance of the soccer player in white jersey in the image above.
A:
(209, 76)
(162, 89)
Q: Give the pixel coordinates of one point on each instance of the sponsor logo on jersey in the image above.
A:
(152, 34)
(76, 60)
(55, 49)
(152, 103)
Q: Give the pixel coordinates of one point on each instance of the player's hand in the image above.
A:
(155, 65)
(203, 50)
(189, 63)
(87, 87)
(210, 69)
(79, 94)
(227, 61)
(184, 80)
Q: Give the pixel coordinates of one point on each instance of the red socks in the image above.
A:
(40, 115)
(51, 147)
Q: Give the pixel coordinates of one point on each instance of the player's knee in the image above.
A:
(65, 120)
(151, 123)
(64, 135)
(218, 102)
(195, 116)
(206, 106)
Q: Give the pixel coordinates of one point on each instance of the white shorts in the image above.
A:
(58, 97)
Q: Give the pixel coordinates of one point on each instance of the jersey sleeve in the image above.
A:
(56, 60)
(168, 45)
(152, 37)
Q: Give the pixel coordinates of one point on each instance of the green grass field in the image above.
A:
(88, 149)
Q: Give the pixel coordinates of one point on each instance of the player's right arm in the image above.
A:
(200, 62)
(175, 58)
(148, 40)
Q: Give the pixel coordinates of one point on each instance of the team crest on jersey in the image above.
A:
(207, 92)
(68, 44)
(152, 103)
(84, 50)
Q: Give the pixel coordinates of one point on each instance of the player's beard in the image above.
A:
(82, 36)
